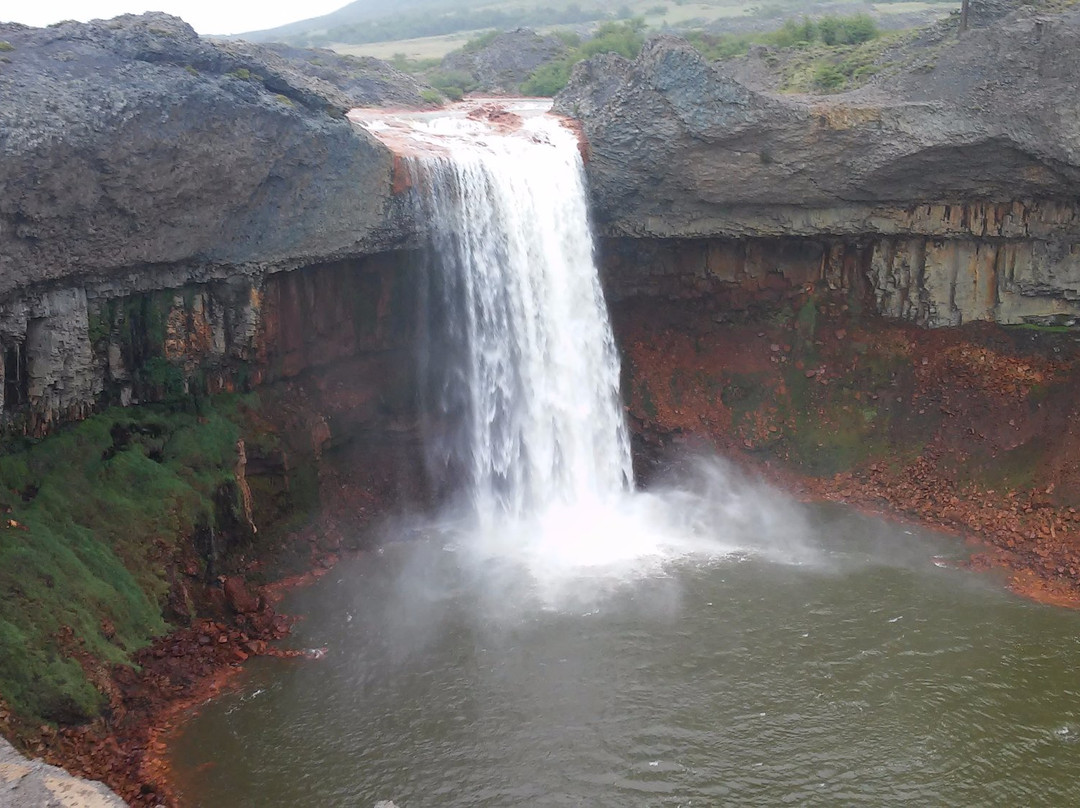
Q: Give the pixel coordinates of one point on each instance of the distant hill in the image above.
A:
(390, 20)
(357, 12)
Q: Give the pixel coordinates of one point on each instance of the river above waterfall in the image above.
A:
(856, 666)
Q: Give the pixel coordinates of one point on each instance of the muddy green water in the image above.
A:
(859, 671)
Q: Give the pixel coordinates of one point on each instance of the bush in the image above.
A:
(549, 79)
(480, 42)
(828, 77)
(623, 38)
(453, 83)
(829, 30)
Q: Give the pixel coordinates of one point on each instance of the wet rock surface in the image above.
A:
(968, 430)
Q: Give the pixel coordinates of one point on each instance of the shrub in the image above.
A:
(549, 79)
(480, 42)
(829, 77)
(453, 83)
(623, 38)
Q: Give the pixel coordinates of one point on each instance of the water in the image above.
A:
(561, 640)
(855, 671)
(522, 366)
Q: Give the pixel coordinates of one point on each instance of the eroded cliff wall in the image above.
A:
(955, 183)
(153, 185)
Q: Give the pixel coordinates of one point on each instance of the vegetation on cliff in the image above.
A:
(623, 38)
(93, 517)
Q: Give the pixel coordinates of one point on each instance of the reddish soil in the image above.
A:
(968, 430)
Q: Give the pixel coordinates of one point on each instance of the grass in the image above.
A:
(837, 68)
(90, 515)
(430, 47)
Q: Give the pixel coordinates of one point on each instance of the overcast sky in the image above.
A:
(205, 16)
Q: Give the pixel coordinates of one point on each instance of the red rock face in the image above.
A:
(318, 316)
(972, 430)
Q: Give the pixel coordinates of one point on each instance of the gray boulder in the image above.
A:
(32, 784)
(134, 143)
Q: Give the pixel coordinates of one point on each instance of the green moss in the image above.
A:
(99, 324)
(676, 385)
(164, 379)
(1015, 469)
(90, 514)
(1042, 329)
(743, 394)
(284, 99)
(6, 47)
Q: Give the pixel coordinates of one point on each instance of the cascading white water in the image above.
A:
(522, 378)
(530, 360)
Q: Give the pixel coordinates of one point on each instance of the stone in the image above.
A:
(33, 784)
(239, 598)
(134, 144)
(951, 188)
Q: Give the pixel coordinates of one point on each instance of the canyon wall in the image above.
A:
(155, 185)
(182, 218)
(140, 161)
(954, 181)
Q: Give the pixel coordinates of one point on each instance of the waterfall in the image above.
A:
(520, 377)
(522, 368)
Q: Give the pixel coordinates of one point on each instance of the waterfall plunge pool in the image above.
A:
(786, 656)
(567, 641)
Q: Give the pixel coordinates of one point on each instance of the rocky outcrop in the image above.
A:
(152, 183)
(506, 61)
(32, 784)
(959, 181)
(133, 144)
(71, 350)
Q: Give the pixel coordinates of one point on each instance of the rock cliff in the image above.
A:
(959, 180)
(132, 143)
(136, 157)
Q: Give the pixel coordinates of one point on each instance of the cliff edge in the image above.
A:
(132, 143)
(956, 180)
